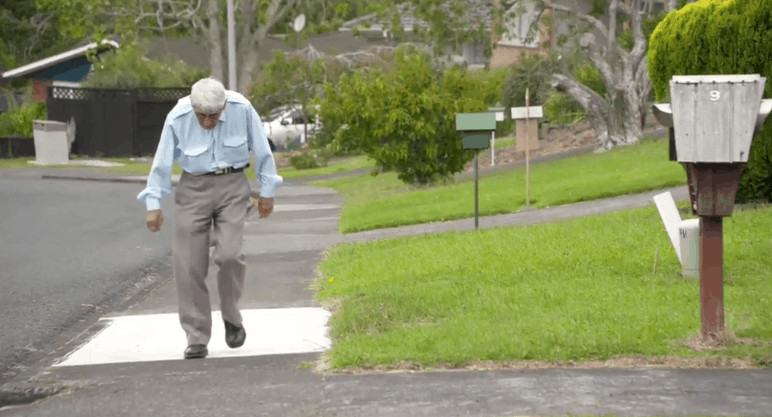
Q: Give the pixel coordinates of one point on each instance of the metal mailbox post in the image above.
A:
(499, 112)
(713, 119)
(476, 128)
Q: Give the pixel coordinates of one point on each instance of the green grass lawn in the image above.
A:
(129, 165)
(384, 201)
(142, 166)
(582, 289)
(504, 142)
(335, 165)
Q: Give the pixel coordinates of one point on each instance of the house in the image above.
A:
(67, 68)
(371, 28)
(517, 41)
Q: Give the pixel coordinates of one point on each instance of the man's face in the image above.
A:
(208, 120)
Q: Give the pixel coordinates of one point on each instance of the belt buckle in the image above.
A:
(220, 171)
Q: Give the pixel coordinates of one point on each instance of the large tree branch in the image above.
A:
(611, 38)
(639, 46)
(249, 18)
(596, 23)
(214, 39)
(598, 59)
(596, 108)
(582, 94)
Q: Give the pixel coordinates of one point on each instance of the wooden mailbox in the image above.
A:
(527, 127)
(713, 120)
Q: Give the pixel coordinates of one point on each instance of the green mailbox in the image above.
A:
(476, 128)
(476, 140)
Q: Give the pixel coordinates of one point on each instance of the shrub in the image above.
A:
(308, 158)
(403, 117)
(720, 37)
(18, 121)
(560, 109)
(530, 72)
(128, 67)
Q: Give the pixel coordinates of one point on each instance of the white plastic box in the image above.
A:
(52, 144)
(689, 232)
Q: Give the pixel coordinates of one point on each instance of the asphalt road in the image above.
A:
(69, 250)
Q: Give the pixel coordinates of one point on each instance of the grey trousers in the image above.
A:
(205, 203)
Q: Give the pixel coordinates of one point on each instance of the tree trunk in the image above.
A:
(617, 116)
(213, 35)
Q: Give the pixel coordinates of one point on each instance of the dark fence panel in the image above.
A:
(113, 122)
(4, 149)
(152, 106)
(12, 146)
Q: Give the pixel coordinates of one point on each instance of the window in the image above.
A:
(517, 22)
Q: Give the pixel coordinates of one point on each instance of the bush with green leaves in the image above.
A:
(18, 120)
(403, 117)
(531, 72)
(534, 72)
(560, 109)
(128, 67)
(308, 158)
(289, 79)
(720, 37)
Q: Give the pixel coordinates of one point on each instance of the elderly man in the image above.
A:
(210, 133)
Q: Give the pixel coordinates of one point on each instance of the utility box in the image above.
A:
(52, 142)
(714, 116)
(689, 234)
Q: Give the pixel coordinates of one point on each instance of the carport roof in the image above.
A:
(50, 61)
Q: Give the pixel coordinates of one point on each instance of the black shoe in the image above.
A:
(195, 352)
(234, 335)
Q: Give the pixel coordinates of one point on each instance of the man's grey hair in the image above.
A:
(207, 95)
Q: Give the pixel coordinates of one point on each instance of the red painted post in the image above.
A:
(711, 277)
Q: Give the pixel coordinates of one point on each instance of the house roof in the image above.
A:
(65, 56)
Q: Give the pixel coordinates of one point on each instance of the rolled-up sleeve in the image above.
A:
(265, 167)
(159, 181)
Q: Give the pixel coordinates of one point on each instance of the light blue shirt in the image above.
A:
(198, 150)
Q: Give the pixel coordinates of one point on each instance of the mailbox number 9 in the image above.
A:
(715, 95)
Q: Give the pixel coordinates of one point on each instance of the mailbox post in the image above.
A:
(527, 137)
(499, 112)
(476, 128)
(713, 119)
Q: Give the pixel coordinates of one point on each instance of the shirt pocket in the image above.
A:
(235, 149)
(193, 157)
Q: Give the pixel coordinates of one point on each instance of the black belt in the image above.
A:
(223, 171)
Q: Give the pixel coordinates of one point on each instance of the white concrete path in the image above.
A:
(159, 337)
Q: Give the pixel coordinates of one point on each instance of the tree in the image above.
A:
(611, 37)
(27, 34)
(205, 20)
(403, 117)
(289, 79)
(128, 67)
(617, 115)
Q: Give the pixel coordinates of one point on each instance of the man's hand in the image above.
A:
(265, 206)
(154, 219)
